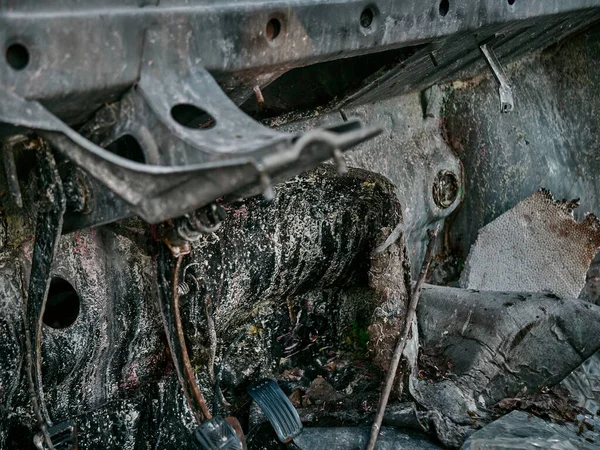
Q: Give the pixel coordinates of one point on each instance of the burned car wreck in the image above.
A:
(308, 224)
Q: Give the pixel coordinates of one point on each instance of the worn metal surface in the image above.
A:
(500, 343)
(193, 166)
(550, 140)
(52, 205)
(504, 91)
(225, 37)
(297, 268)
(356, 439)
(150, 81)
(521, 431)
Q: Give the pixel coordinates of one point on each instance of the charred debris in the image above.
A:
(302, 234)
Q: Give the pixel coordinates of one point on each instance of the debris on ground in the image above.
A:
(539, 247)
(356, 438)
(489, 339)
(553, 403)
(522, 431)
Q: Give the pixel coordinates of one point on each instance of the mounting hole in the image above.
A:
(128, 147)
(190, 116)
(366, 18)
(511, 2)
(62, 306)
(445, 189)
(444, 7)
(17, 56)
(273, 29)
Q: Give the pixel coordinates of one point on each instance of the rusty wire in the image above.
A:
(193, 395)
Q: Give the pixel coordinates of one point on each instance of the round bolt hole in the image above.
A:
(190, 116)
(444, 7)
(366, 18)
(273, 29)
(445, 189)
(17, 56)
(62, 306)
(511, 2)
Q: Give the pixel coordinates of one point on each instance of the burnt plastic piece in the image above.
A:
(278, 409)
(217, 434)
(63, 436)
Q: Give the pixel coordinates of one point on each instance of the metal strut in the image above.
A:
(505, 90)
(51, 208)
(188, 163)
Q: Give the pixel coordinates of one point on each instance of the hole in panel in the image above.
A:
(444, 7)
(62, 306)
(127, 147)
(190, 116)
(366, 18)
(445, 189)
(17, 56)
(273, 29)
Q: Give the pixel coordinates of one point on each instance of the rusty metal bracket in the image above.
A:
(195, 144)
(505, 90)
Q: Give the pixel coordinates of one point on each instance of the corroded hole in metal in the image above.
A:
(511, 2)
(273, 29)
(366, 17)
(17, 56)
(193, 117)
(444, 7)
(128, 147)
(62, 307)
(445, 189)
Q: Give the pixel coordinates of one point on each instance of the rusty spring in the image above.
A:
(183, 287)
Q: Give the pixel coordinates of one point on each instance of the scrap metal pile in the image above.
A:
(190, 260)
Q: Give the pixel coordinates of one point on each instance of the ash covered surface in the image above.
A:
(295, 269)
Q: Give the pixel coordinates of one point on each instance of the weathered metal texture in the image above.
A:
(549, 141)
(411, 152)
(51, 208)
(459, 56)
(110, 369)
(236, 154)
(106, 43)
(500, 343)
(193, 166)
(584, 384)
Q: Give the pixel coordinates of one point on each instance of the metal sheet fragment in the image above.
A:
(537, 246)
